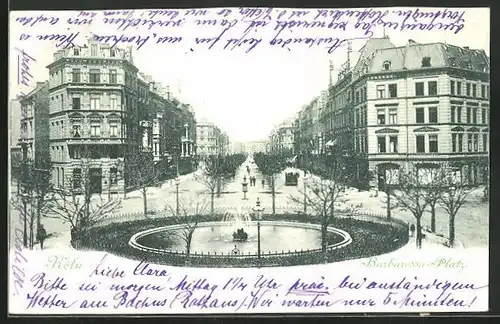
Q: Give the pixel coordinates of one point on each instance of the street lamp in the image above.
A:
(258, 210)
(306, 179)
(244, 188)
(177, 182)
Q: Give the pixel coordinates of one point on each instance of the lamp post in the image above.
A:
(177, 182)
(306, 178)
(258, 210)
(244, 188)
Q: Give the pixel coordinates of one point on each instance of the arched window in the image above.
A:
(387, 65)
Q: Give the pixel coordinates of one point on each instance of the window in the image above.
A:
(112, 52)
(95, 130)
(488, 92)
(452, 87)
(420, 119)
(419, 89)
(113, 176)
(113, 130)
(95, 103)
(93, 50)
(459, 88)
(469, 142)
(483, 91)
(76, 103)
(357, 96)
(468, 115)
(387, 65)
(459, 114)
(76, 131)
(380, 91)
(426, 62)
(460, 142)
(381, 116)
(433, 115)
(467, 89)
(485, 142)
(453, 142)
(474, 90)
(474, 115)
(393, 116)
(76, 51)
(95, 76)
(75, 74)
(77, 178)
(483, 116)
(381, 144)
(112, 77)
(75, 152)
(393, 144)
(433, 88)
(420, 139)
(476, 142)
(393, 90)
(453, 114)
(433, 143)
(113, 151)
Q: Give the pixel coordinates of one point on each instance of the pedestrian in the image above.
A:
(41, 235)
(253, 181)
(412, 230)
(263, 183)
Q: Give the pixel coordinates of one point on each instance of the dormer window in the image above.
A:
(453, 61)
(112, 53)
(387, 65)
(76, 51)
(426, 62)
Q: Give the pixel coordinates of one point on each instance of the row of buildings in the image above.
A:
(398, 107)
(98, 108)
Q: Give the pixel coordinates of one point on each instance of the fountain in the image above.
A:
(235, 224)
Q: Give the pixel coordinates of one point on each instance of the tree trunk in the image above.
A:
(212, 198)
(273, 192)
(419, 233)
(433, 218)
(218, 187)
(388, 205)
(324, 242)
(145, 202)
(452, 230)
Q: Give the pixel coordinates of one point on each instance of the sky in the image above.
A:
(245, 94)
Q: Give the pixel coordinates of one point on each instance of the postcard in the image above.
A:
(249, 160)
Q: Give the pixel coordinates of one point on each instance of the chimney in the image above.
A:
(466, 47)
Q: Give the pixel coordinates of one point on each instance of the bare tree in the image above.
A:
(413, 195)
(270, 165)
(139, 166)
(453, 197)
(77, 207)
(322, 195)
(188, 219)
(209, 178)
(390, 184)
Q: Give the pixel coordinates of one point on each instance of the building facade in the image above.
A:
(416, 105)
(282, 138)
(101, 110)
(211, 140)
(34, 131)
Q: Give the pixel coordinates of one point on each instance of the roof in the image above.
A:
(441, 55)
(39, 86)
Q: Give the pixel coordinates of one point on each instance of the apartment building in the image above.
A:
(101, 110)
(33, 131)
(413, 106)
(282, 137)
(211, 140)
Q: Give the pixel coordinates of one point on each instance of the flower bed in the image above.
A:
(369, 238)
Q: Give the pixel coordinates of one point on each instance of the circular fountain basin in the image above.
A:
(209, 238)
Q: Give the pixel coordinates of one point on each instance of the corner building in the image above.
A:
(93, 114)
(414, 106)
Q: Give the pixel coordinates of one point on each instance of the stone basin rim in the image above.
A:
(133, 240)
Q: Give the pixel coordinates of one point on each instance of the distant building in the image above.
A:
(281, 138)
(34, 128)
(15, 125)
(211, 140)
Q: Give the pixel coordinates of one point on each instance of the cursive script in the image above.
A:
(23, 67)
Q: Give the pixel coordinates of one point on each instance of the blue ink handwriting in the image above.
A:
(106, 271)
(23, 67)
